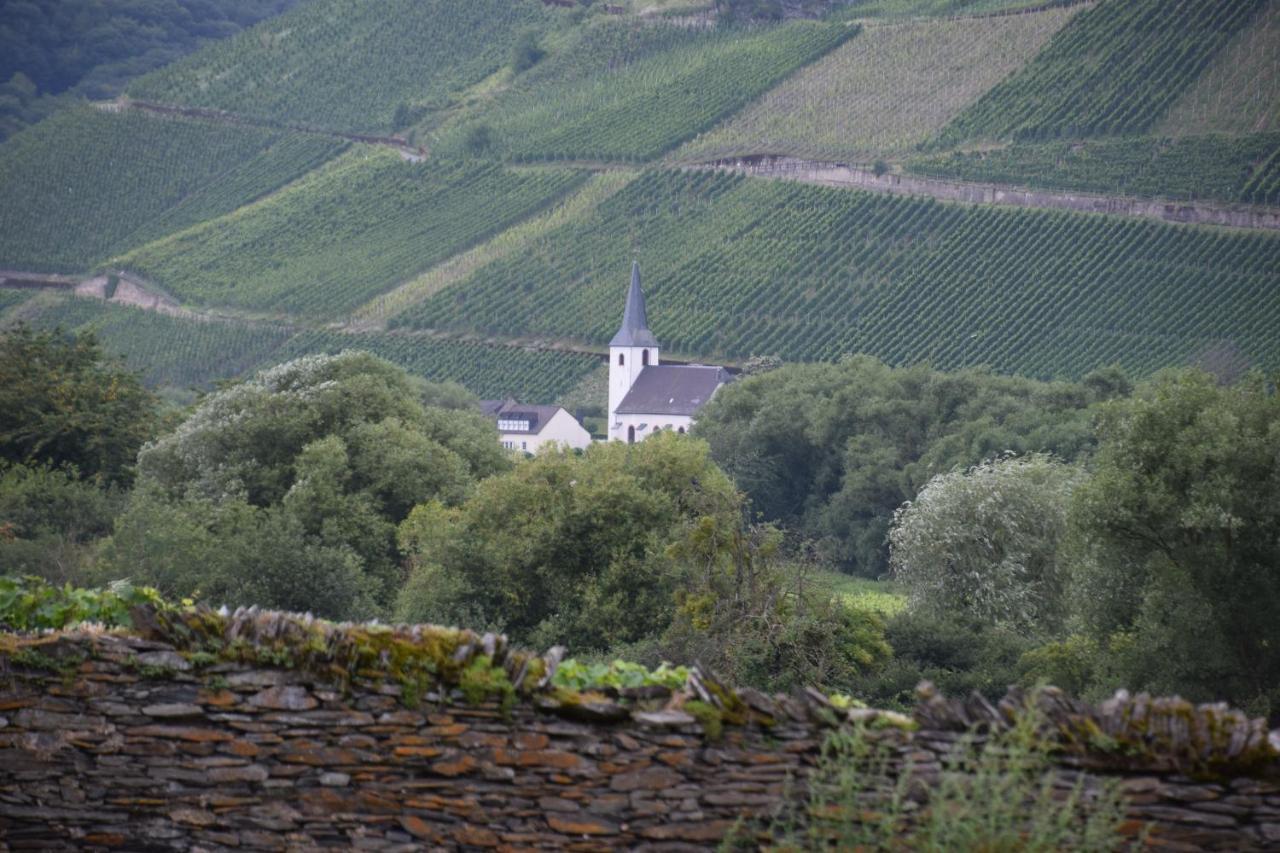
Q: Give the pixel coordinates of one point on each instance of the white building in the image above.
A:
(525, 428)
(646, 396)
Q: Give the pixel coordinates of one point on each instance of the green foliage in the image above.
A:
(482, 681)
(986, 544)
(489, 371)
(49, 519)
(830, 451)
(564, 548)
(347, 64)
(346, 233)
(526, 53)
(1178, 546)
(156, 176)
(735, 267)
(997, 792)
(90, 48)
(63, 403)
(1220, 168)
(175, 352)
(30, 604)
(286, 490)
(572, 674)
(1116, 68)
(623, 91)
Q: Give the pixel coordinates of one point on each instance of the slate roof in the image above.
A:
(672, 389)
(537, 416)
(635, 325)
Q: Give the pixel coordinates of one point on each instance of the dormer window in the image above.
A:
(512, 425)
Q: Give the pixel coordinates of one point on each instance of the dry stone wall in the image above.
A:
(137, 743)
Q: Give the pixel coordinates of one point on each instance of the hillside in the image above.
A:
(545, 147)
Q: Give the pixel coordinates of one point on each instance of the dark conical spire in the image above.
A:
(635, 325)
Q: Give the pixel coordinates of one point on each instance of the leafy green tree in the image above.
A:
(63, 402)
(831, 450)
(1178, 538)
(987, 543)
(49, 520)
(286, 490)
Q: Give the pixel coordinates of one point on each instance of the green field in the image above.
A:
(85, 184)
(623, 95)
(168, 351)
(1216, 168)
(350, 64)
(883, 597)
(492, 372)
(354, 229)
(1117, 68)
(884, 92)
(735, 267)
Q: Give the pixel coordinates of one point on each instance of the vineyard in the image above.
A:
(85, 184)
(1117, 68)
(623, 98)
(356, 228)
(735, 267)
(10, 298)
(350, 64)
(169, 351)
(493, 372)
(946, 8)
(884, 92)
(1240, 92)
(1218, 168)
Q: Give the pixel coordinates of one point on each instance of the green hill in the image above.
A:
(345, 233)
(736, 267)
(86, 184)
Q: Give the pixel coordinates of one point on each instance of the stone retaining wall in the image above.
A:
(115, 742)
(842, 175)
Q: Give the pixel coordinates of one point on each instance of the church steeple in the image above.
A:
(635, 324)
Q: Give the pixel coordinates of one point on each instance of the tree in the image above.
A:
(1180, 552)
(49, 520)
(526, 52)
(63, 402)
(286, 490)
(986, 544)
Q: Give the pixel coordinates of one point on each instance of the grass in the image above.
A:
(883, 93)
(1240, 91)
(883, 597)
(86, 184)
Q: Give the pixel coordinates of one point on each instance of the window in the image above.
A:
(524, 445)
(631, 435)
(512, 425)
(622, 359)
(644, 358)
(681, 430)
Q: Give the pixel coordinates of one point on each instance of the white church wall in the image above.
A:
(646, 425)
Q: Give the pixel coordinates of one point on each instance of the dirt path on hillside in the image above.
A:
(409, 152)
(851, 177)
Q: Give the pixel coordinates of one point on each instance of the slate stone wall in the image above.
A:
(111, 742)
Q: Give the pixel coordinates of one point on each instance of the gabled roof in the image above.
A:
(509, 410)
(635, 325)
(672, 389)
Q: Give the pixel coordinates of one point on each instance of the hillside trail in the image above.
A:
(844, 176)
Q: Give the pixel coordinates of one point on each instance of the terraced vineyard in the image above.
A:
(533, 376)
(169, 351)
(884, 92)
(626, 98)
(345, 233)
(735, 267)
(1240, 92)
(1219, 168)
(84, 184)
(350, 64)
(1116, 68)
(12, 297)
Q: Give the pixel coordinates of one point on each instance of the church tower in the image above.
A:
(632, 350)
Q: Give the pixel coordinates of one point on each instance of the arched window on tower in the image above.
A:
(622, 359)
(644, 358)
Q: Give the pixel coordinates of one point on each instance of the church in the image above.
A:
(646, 396)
